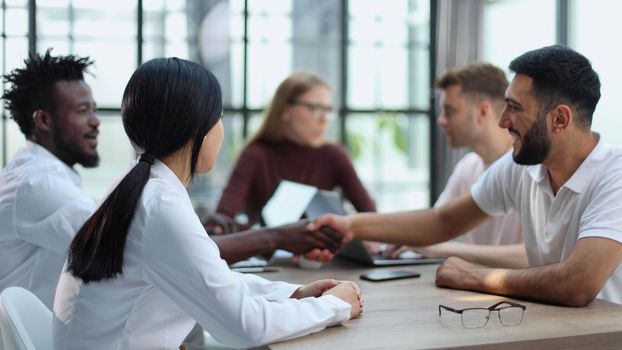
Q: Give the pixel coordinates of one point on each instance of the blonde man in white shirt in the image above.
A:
(42, 204)
(564, 181)
(141, 270)
(472, 100)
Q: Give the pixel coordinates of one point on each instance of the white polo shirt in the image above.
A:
(41, 208)
(504, 229)
(173, 276)
(589, 204)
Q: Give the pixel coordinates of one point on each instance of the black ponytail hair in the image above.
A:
(167, 103)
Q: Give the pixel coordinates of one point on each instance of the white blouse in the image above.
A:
(172, 276)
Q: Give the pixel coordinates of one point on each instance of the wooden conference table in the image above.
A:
(403, 314)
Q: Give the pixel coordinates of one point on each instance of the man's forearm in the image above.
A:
(419, 227)
(242, 245)
(551, 284)
(405, 228)
(576, 281)
(505, 256)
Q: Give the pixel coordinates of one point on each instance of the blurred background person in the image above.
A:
(472, 100)
(290, 145)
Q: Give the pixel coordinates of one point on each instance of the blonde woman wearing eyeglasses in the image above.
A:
(290, 145)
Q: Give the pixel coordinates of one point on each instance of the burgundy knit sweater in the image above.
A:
(262, 165)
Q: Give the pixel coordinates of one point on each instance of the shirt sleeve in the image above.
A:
(185, 264)
(50, 210)
(236, 192)
(494, 191)
(465, 173)
(350, 183)
(268, 289)
(603, 215)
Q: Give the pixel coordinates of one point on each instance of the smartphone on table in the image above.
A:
(388, 275)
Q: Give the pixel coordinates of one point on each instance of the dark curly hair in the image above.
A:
(30, 88)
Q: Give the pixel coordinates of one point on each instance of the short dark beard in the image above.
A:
(536, 145)
(70, 153)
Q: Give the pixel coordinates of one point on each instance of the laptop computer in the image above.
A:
(356, 250)
(286, 205)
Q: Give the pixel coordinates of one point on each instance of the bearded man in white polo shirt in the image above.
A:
(564, 181)
(42, 204)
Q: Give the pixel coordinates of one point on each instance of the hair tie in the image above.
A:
(148, 158)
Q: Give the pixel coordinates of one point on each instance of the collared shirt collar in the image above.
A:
(584, 173)
(589, 168)
(42, 152)
(537, 172)
(161, 170)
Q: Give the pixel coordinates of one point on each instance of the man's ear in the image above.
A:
(42, 120)
(483, 109)
(562, 115)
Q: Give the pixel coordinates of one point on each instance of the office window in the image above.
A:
(388, 63)
(165, 29)
(251, 50)
(269, 45)
(589, 23)
(14, 49)
(507, 34)
(388, 71)
(390, 153)
(512, 27)
(103, 30)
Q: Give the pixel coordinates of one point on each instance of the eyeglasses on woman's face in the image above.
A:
(316, 109)
(510, 314)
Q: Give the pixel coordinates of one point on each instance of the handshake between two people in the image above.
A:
(317, 239)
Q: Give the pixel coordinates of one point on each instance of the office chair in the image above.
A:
(25, 321)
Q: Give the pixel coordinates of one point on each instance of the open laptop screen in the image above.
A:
(288, 203)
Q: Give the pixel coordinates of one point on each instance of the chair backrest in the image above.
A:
(25, 321)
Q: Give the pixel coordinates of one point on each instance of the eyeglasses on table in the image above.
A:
(510, 314)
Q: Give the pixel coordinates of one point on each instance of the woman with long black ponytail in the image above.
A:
(142, 270)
